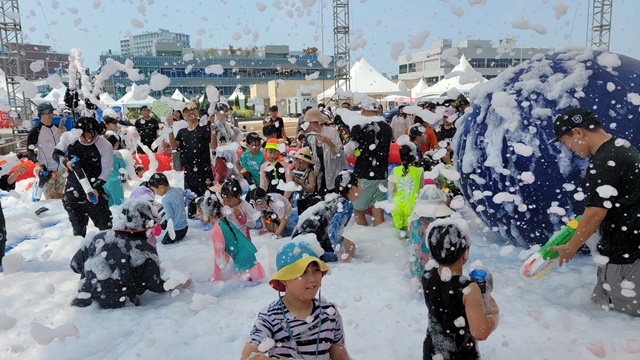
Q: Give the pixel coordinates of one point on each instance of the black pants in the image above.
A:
(180, 234)
(81, 211)
(197, 182)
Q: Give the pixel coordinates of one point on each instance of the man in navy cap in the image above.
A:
(612, 207)
(41, 142)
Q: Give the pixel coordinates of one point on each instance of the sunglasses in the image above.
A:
(256, 201)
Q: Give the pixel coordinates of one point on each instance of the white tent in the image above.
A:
(463, 77)
(128, 100)
(420, 87)
(366, 80)
(108, 100)
(56, 96)
(236, 94)
(177, 95)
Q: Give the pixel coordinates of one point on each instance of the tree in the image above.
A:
(236, 102)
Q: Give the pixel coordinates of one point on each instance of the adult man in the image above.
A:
(224, 134)
(194, 143)
(147, 127)
(93, 154)
(273, 126)
(325, 144)
(612, 206)
(41, 142)
(372, 141)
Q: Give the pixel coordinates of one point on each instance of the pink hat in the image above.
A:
(143, 193)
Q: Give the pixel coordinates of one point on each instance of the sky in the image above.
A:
(377, 26)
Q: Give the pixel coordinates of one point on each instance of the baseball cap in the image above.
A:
(369, 104)
(573, 118)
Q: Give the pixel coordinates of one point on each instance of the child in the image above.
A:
(117, 266)
(113, 187)
(173, 205)
(429, 206)
(242, 214)
(252, 160)
(404, 185)
(297, 324)
(275, 212)
(229, 243)
(457, 315)
(327, 219)
(305, 176)
(274, 170)
(139, 170)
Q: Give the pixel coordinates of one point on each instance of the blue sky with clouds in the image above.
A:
(97, 25)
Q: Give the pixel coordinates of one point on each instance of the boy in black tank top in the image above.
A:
(457, 315)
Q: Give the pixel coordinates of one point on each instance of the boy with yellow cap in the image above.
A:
(298, 325)
(275, 172)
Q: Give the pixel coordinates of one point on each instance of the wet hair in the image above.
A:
(158, 179)
(345, 181)
(404, 114)
(89, 125)
(112, 137)
(447, 243)
(231, 187)
(253, 137)
(210, 204)
(256, 194)
(407, 158)
(415, 131)
(273, 108)
(418, 120)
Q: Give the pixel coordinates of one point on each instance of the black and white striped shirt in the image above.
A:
(308, 338)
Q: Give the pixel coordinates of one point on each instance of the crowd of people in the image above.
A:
(308, 193)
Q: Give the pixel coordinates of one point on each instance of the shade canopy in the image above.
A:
(463, 77)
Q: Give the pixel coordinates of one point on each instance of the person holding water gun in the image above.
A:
(89, 159)
(612, 207)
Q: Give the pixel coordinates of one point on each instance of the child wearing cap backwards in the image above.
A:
(174, 208)
(404, 184)
(274, 170)
(252, 159)
(297, 325)
(229, 243)
(328, 218)
(242, 214)
(275, 212)
(117, 266)
(457, 313)
(305, 176)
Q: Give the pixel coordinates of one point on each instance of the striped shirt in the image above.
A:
(308, 339)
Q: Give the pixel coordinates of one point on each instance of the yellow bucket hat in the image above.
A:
(294, 257)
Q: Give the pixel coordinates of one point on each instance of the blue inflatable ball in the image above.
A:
(520, 186)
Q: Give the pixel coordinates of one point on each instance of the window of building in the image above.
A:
(402, 69)
(477, 62)
(411, 68)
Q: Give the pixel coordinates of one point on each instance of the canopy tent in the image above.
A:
(128, 100)
(236, 94)
(56, 96)
(366, 80)
(420, 87)
(463, 77)
(108, 100)
(177, 95)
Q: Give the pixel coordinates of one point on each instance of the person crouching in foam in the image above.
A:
(229, 243)
(298, 325)
(117, 266)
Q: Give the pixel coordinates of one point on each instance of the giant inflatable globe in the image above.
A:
(519, 185)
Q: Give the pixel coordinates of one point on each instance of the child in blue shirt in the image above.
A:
(173, 205)
(252, 159)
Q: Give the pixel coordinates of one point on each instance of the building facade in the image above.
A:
(146, 43)
(483, 56)
(240, 67)
(40, 62)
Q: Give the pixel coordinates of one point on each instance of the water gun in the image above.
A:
(11, 161)
(43, 177)
(84, 181)
(540, 262)
(485, 283)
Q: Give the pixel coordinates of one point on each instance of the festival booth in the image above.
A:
(136, 98)
(177, 95)
(463, 78)
(366, 80)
